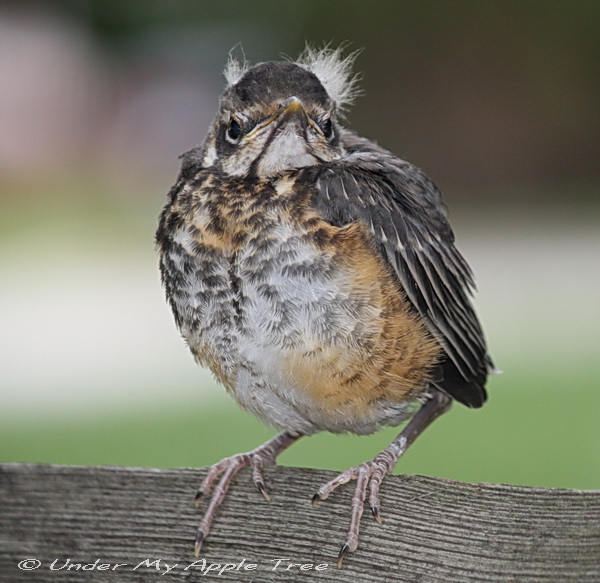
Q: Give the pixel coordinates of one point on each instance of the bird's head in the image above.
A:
(280, 116)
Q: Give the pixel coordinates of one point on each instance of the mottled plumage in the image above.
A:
(316, 274)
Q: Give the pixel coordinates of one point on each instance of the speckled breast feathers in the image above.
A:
(299, 319)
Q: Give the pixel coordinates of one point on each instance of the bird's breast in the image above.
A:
(301, 320)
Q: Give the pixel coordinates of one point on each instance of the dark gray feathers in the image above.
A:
(407, 217)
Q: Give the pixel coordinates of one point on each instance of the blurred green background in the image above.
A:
(498, 101)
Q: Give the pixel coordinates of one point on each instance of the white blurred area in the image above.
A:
(85, 329)
(538, 277)
(90, 334)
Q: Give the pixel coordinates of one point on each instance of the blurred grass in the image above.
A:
(535, 430)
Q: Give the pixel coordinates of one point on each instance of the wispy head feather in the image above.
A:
(334, 71)
(235, 69)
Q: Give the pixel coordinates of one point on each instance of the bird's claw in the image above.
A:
(260, 486)
(198, 543)
(376, 514)
(343, 552)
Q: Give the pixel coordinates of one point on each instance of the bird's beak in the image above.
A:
(291, 105)
(287, 110)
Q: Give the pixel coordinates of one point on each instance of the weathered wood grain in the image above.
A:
(111, 521)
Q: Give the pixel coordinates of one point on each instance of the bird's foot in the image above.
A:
(227, 468)
(368, 477)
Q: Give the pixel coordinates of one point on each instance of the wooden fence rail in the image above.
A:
(70, 524)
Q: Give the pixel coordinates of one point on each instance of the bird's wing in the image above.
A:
(404, 212)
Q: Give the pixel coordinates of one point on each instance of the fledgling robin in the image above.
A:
(316, 275)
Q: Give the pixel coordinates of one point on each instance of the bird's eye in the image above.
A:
(327, 127)
(234, 131)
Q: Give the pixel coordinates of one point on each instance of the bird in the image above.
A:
(316, 275)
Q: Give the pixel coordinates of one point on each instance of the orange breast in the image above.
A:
(388, 356)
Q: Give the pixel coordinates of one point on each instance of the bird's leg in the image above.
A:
(369, 475)
(257, 459)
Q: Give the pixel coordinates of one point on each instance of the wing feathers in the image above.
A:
(407, 217)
